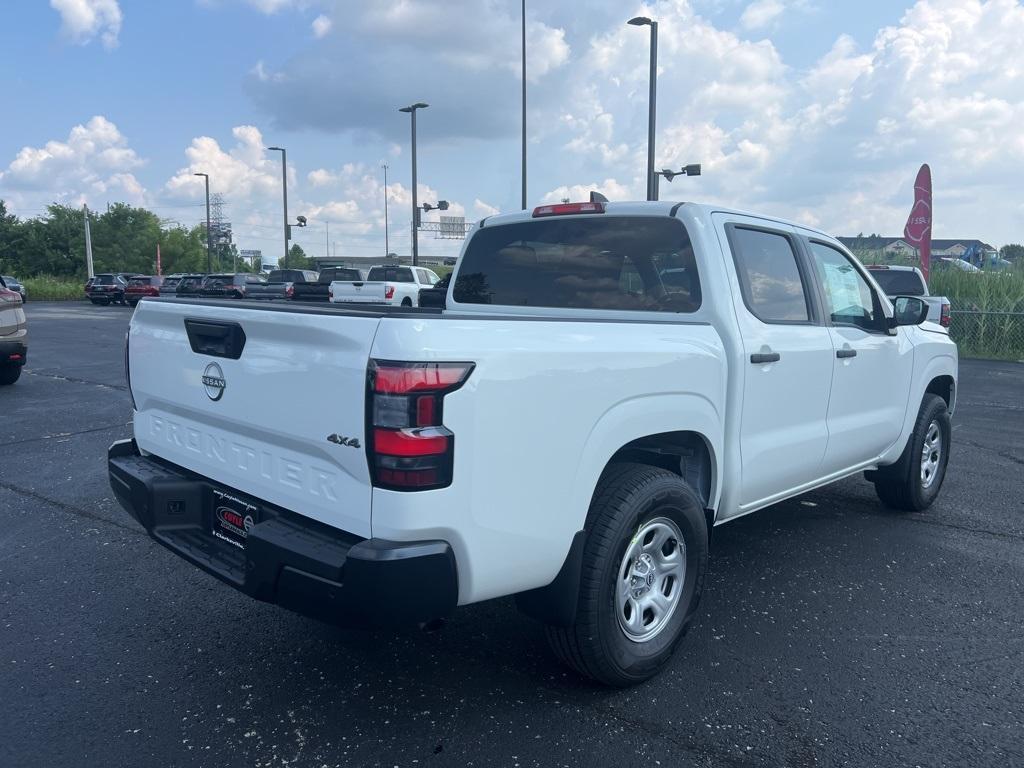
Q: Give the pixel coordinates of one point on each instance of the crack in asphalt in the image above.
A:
(968, 529)
(57, 435)
(76, 380)
(996, 451)
(69, 508)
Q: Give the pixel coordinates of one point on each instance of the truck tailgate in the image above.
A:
(255, 412)
(358, 292)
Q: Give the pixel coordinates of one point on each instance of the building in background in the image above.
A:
(897, 247)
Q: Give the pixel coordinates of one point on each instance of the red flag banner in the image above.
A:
(158, 264)
(918, 231)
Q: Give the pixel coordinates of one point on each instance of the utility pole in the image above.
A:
(411, 109)
(88, 243)
(284, 187)
(524, 105)
(641, 21)
(387, 247)
(327, 239)
(209, 232)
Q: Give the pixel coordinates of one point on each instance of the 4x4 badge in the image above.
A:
(351, 442)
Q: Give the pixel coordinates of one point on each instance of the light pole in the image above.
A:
(524, 105)
(641, 21)
(669, 174)
(387, 247)
(411, 109)
(284, 186)
(209, 234)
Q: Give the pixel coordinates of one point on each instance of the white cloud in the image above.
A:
(93, 165)
(246, 171)
(576, 193)
(761, 13)
(83, 20)
(321, 26)
(482, 209)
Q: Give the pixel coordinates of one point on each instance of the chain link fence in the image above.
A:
(996, 335)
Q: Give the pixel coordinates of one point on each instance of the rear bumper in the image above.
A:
(13, 352)
(289, 560)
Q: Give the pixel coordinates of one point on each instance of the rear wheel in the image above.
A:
(913, 482)
(406, 302)
(9, 374)
(644, 562)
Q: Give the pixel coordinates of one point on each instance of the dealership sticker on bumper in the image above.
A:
(232, 518)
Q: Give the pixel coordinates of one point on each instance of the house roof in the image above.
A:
(877, 243)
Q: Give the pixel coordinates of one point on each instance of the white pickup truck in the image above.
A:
(605, 384)
(392, 286)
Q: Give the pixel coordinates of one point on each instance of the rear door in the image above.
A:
(872, 369)
(787, 359)
(251, 398)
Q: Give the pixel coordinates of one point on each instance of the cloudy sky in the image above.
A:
(818, 111)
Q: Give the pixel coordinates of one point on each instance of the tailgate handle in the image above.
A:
(215, 339)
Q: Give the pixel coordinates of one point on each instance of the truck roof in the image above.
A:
(651, 208)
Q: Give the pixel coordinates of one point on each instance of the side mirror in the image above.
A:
(909, 310)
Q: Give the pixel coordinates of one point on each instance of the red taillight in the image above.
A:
(409, 446)
(389, 292)
(567, 209)
(289, 291)
(944, 316)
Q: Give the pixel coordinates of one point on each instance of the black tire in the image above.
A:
(906, 485)
(9, 374)
(103, 302)
(406, 302)
(133, 303)
(628, 497)
(95, 301)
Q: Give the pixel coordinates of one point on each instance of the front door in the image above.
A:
(872, 369)
(787, 361)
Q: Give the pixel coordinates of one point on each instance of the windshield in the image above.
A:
(626, 263)
(391, 274)
(284, 276)
(899, 282)
(342, 274)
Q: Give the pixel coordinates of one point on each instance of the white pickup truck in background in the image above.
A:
(392, 286)
(605, 383)
(909, 281)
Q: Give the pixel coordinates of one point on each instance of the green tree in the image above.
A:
(1013, 252)
(297, 258)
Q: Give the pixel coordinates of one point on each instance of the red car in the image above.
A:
(140, 286)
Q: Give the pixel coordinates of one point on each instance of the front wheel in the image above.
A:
(644, 562)
(913, 482)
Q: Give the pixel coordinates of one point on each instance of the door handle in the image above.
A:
(844, 353)
(760, 358)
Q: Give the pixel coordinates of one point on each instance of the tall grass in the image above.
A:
(52, 289)
(988, 311)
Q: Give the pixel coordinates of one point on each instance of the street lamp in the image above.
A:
(411, 109)
(387, 246)
(442, 205)
(669, 174)
(209, 235)
(284, 186)
(642, 21)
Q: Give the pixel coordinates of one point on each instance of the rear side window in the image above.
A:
(391, 274)
(139, 281)
(899, 282)
(594, 262)
(773, 289)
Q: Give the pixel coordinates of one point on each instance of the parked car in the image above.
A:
(560, 431)
(140, 286)
(909, 281)
(320, 290)
(189, 286)
(280, 284)
(107, 289)
(398, 286)
(13, 334)
(13, 284)
(170, 283)
(229, 286)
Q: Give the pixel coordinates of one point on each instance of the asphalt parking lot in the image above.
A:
(832, 631)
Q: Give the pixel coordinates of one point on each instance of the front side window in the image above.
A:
(594, 262)
(849, 299)
(769, 276)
